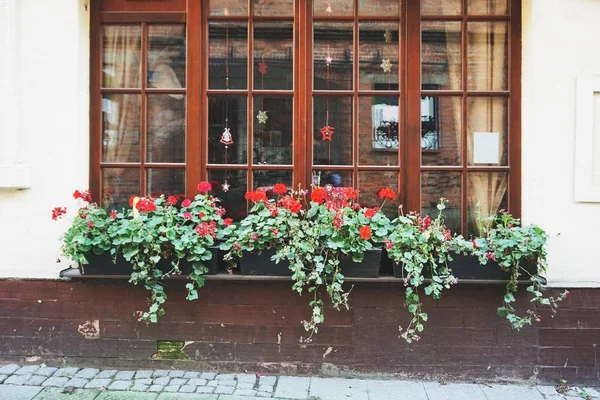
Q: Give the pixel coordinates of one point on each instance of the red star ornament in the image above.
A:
(327, 132)
(262, 68)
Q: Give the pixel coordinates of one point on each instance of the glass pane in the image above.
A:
(441, 7)
(378, 137)
(441, 62)
(487, 55)
(334, 178)
(487, 130)
(332, 134)
(273, 139)
(228, 7)
(118, 185)
(228, 55)
(227, 130)
(488, 7)
(487, 194)
(263, 181)
(166, 128)
(167, 181)
(376, 8)
(369, 185)
(441, 130)
(332, 54)
(435, 185)
(166, 56)
(379, 55)
(274, 7)
(121, 127)
(121, 56)
(230, 186)
(273, 55)
(333, 7)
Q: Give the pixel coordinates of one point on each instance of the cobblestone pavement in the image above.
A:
(34, 382)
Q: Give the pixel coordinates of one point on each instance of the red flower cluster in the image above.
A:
(171, 200)
(292, 204)
(318, 195)
(145, 205)
(280, 188)
(425, 223)
(388, 243)
(58, 212)
(220, 211)
(113, 214)
(256, 196)
(370, 213)
(205, 228)
(365, 232)
(387, 193)
(90, 224)
(227, 221)
(204, 187)
(85, 195)
(337, 219)
(186, 203)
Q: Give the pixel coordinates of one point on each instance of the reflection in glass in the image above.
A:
(369, 185)
(273, 55)
(444, 7)
(166, 56)
(263, 181)
(373, 8)
(121, 56)
(273, 139)
(333, 7)
(230, 186)
(166, 128)
(229, 7)
(274, 7)
(378, 56)
(378, 130)
(487, 194)
(488, 115)
(323, 177)
(441, 60)
(441, 130)
(227, 114)
(167, 181)
(118, 185)
(488, 7)
(228, 55)
(332, 55)
(435, 185)
(487, 55)
(121, 128)
(332, 130)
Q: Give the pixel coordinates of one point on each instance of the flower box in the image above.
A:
(260, 263)
(367, 268)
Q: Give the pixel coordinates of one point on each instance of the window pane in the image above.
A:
(166, 128)
(332, 54)
(263, 181)
(121, 127)
(379, 55)
(487, 130)
(230, 186)
(273, 55)
(336, 179)
(273, 139)
(229, 7)
(118, 185)
(369, 185)
(227, 130)
(332, 134)
(166, 56)
(167, 181)
(441, 130)
(228, 55)
(121, 56)
(487, 194)
(488, 7)
(333, 7)
(435, 185)
(487, 55)
(443, 7)
(375, 7)
(274, 7)
(441, 61)
(378, 130)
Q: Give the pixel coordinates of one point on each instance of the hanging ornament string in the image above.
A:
(226, 136)
(262, 114)
(386, 65)
(327, 131)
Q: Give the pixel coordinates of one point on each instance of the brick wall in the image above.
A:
(255, 326)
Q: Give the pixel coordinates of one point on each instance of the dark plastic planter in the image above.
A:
(367, 268)
(260, 263)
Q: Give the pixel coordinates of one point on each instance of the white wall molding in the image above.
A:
(587, 140)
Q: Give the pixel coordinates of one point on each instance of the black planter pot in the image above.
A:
(260, 263)
(367, 268)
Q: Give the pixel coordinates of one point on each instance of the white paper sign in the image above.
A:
(486, 148)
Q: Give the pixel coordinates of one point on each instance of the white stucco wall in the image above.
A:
(48, 101)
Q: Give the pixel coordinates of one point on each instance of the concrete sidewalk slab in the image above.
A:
(8, 392)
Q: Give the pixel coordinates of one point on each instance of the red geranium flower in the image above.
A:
(370, 213)
(387, 192)
(220, 211)
(113, 214)
(204, 187)
(146, 205)
(388, 243)
(227, 221)
(365, 232)
(58, 212)
(256, 196)
(280, 188)
(186, 203)
(318, 195)
(171, 200)
(292, 204)
(350, 193)
(85, 195)
(91, 224)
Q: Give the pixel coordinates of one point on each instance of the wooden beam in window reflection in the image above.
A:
(139, 17)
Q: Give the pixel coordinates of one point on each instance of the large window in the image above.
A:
(417, 96)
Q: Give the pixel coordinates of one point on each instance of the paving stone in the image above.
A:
(191, 374)
(108, 373)
(124, 375)
(224, 389)
(244, 392)
(77, 383)
(3, 378)
(98, 384)
(126, 396)
(143, 374)
(205, 389)
(9, 369)
(503, 392)
(176, 374)
(27, 370)
(265, 388)
(172, 388)
(435, 391)
(197, 382)
(267, 380)
(335, 389)
(46, 371)
(263, 394)
(208, 375)
(595, 393)
(213, 383)
(163, 380)
(187, 389)
(390, 389)
(139, 387)
(245, 385)
(87, 373)
(17, 379)
(120, 385)
(188, 396)
(160, 372)
(36, 380)
(18, 392)
(66, 372)
(156, 388)
(146, 381)
(226, 377)
(246, 378)
(178, 381)
(290, 387)
(55, 381)
(57, 394)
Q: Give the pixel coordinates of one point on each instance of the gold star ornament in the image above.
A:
(388, 36)
(262, 117)
(386, 65)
